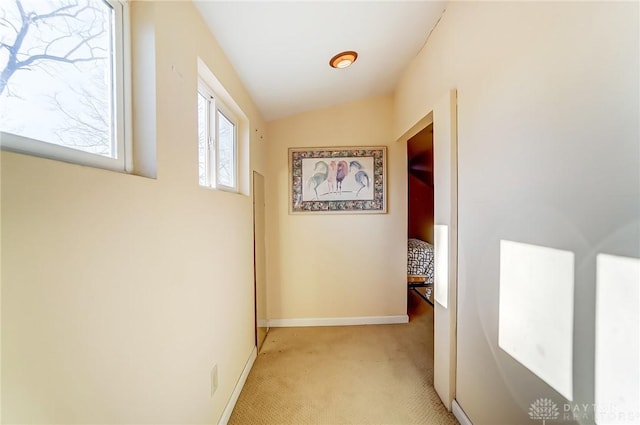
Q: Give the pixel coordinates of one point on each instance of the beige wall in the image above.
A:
(548, 154)
(120, 293)
(345, 265)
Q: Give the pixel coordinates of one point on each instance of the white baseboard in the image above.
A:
(226, 414)
(338, 321)
(459, 414)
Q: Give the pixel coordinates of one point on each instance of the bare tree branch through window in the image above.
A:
(56, 72)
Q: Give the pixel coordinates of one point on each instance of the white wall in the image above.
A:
(340, 265)
(548, 154)
(120, 293)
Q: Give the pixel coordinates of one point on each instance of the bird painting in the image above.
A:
(361, 177)
(341, 173)
(337, 179)
(331, 179)
(321, 172)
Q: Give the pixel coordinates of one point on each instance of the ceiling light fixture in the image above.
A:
(343, 59)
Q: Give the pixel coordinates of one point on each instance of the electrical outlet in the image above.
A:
(214, 380)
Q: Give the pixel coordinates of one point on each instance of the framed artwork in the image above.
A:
(338, 180)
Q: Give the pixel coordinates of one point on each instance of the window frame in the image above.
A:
(212, 150)
(120, 109)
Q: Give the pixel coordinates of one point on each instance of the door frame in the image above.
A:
(443, 116)
(257, 294)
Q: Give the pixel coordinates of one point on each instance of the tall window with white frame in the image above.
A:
(217, 142)
(62, 80)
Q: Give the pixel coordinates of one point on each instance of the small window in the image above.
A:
(217, 142)
(62, 90)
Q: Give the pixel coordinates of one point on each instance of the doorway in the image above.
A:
(443, 119)
(420, 229)
(259, 260)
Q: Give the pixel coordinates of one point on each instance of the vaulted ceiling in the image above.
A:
(281, 50)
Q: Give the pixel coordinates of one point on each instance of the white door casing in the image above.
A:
(443, 116)
(446, 245)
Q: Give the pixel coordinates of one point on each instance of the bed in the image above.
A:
(420, 268)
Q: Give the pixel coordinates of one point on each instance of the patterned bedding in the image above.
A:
(420, 259)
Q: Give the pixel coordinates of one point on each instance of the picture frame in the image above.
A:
(337, 180)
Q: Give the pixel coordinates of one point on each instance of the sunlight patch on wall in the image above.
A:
(617, 374)
(441, 264)
(535, 324)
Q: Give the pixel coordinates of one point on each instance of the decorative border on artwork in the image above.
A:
(377, 205)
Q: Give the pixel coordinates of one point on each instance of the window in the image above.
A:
(217, 142)
(62, 90)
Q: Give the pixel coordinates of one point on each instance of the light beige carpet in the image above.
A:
(378, 374)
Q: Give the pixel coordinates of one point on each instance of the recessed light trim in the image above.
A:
(343, 59)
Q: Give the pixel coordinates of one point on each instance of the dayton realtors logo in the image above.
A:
(543, 409)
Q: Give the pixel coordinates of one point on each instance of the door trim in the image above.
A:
(259, 298)
(443, 116)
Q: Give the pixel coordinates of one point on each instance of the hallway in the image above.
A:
(346, 375)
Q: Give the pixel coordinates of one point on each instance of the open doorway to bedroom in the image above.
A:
(438, 132)
(420, 229)
(420, 241)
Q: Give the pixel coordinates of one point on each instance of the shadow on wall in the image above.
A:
(420, 171)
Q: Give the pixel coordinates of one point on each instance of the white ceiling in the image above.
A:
(281, 49)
